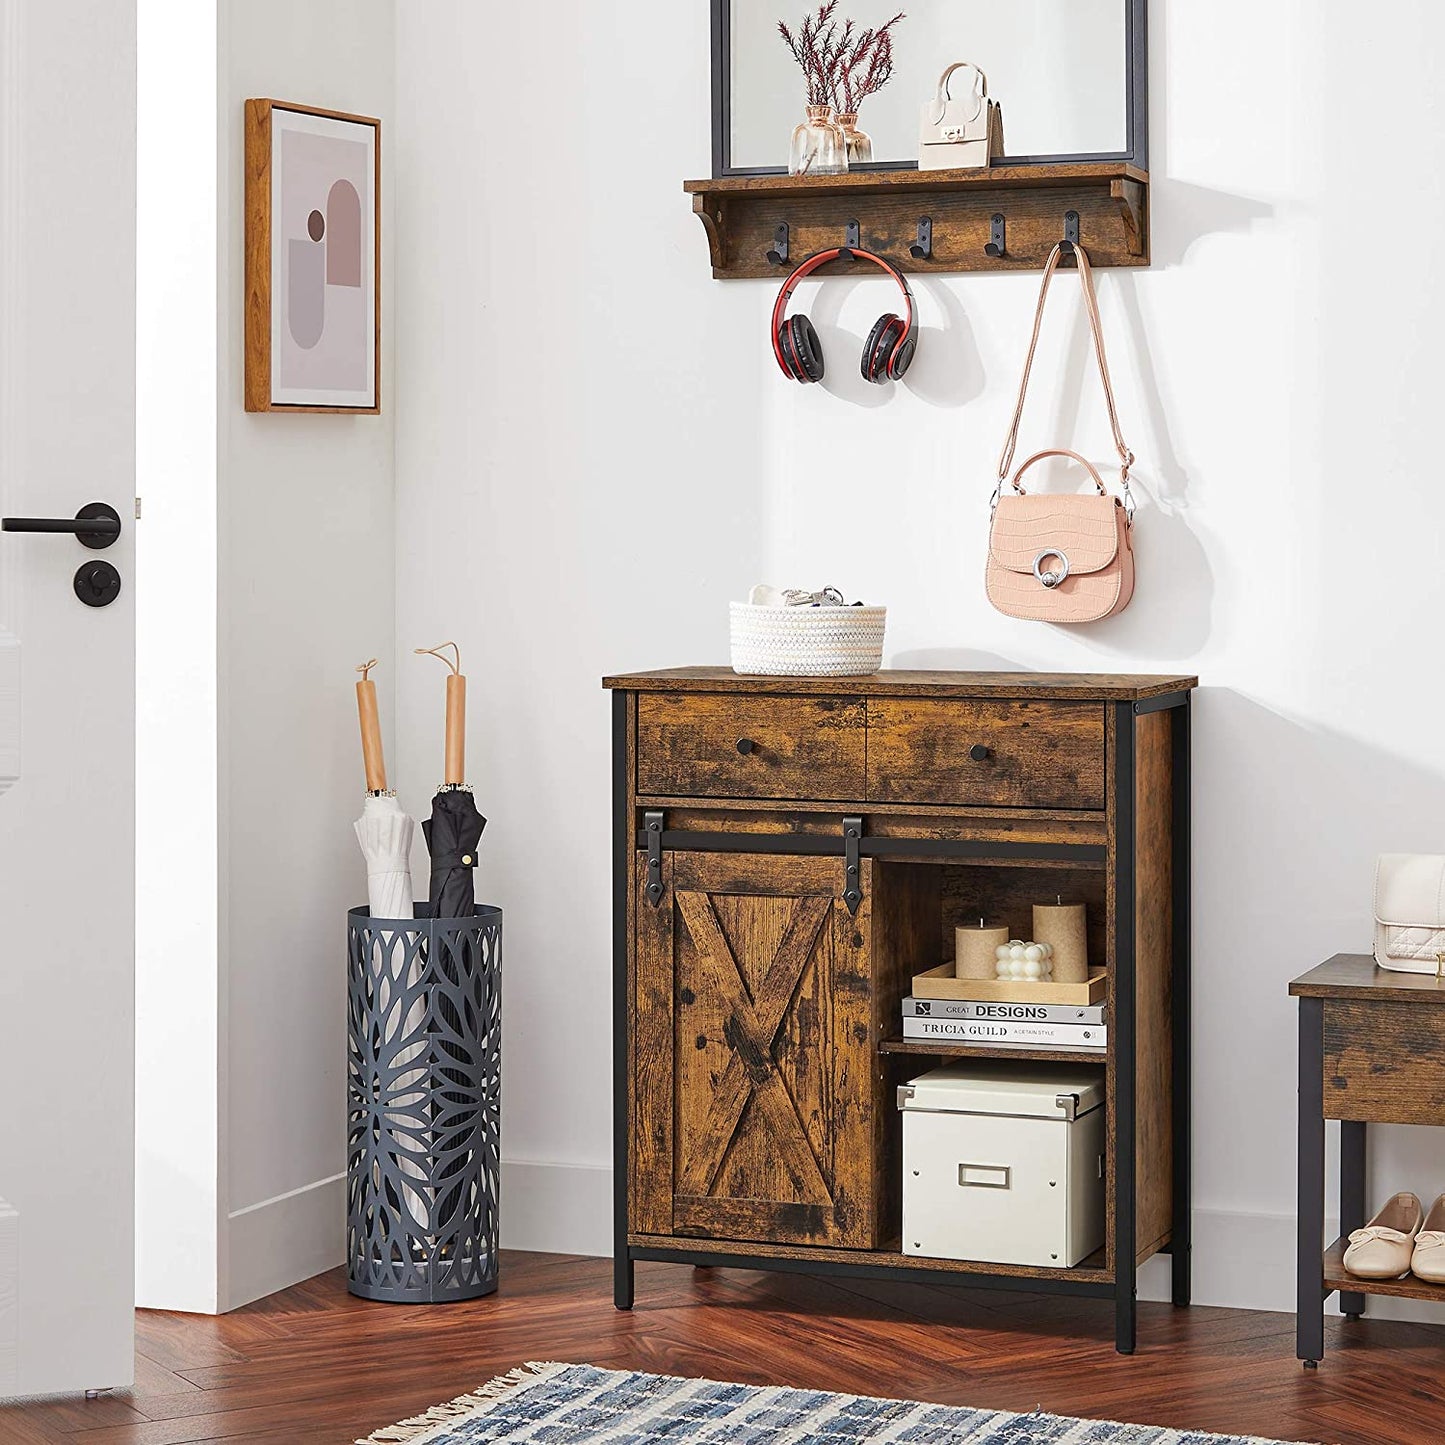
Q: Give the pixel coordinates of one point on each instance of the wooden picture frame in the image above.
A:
(313, 256)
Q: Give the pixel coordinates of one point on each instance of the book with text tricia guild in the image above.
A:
(1010, 1031)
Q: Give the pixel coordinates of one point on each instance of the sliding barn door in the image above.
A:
(753, 1053)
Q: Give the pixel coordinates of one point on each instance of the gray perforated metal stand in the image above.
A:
(424, 1120)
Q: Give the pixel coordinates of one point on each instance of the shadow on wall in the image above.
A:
(1181, 214)
(954, 659)
(946, 372)
(1170, 557)
(1286, 830)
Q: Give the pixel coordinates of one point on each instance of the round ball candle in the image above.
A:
(974, 947)
(1064, 926)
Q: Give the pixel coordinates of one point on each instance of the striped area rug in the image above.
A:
(582, 1405)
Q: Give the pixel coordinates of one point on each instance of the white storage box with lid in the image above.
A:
(1004, 1163)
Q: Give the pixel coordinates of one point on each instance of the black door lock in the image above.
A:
(97, 584)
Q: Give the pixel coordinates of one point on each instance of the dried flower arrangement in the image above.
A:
(865, 68)
(841, 65)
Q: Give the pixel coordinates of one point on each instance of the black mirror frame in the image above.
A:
(1136, 103)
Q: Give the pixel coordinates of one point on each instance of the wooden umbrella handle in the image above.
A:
(371, 750)
(456, 743)
(454, 768)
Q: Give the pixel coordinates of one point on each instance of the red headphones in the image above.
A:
(890, 345)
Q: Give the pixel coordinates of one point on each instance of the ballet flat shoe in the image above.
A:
(1428, 1260)
(1383, 1248)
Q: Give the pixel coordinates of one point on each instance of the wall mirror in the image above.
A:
(1070, 75)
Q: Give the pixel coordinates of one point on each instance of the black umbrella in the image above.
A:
(452, 834)
(455, 826)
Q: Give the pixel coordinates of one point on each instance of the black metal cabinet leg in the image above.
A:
(1309, 1258)
(623, 843)
(1123, 1021)
(622, 1280)
(1182, 1225)
(1352, 1197)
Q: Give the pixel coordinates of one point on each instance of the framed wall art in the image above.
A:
(313, 259)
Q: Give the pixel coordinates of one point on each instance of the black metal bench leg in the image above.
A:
(1182, 1226)
(1352, 1198)
(1309, 1258)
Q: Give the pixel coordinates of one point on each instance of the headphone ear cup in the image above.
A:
(902, 359)
(878, 349)
(785, 352)
(807, 349)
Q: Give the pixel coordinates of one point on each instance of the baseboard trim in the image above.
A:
(281, 1241)
(556, 1208)
(551, 1208)
(1242, 1260)
(9, 1299)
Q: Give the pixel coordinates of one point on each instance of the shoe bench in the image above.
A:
(788, 853)
(1371, 1051)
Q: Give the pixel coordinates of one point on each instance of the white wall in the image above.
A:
(307, 574)
(596, 435)
(293, 535)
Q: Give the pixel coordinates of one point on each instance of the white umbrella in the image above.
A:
(385, 834)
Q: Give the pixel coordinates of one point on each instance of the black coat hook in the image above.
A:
(997, 246)
(922, 248)
(779, 254)
(1071, 232)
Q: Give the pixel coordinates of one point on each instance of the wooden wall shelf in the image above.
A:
(741, 215)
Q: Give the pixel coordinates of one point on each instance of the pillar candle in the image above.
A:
(975, 948)
(456, 745)
(371, 753)
(1064, 926)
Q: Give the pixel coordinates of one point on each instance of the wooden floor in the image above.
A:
(314, 1364)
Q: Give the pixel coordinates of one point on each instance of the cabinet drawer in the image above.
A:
(986, 754)
(703, 745)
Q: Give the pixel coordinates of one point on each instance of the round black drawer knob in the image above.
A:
(746, 746)
(979, 753)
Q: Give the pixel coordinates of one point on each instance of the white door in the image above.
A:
(67, 691)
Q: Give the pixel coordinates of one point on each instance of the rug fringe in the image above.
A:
(497, 1389)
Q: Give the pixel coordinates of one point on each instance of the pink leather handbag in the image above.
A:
(1061, 558)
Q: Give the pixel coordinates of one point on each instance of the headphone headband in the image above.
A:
(821, 258)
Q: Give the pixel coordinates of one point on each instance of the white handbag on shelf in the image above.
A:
(960, 134)
(1410, 912)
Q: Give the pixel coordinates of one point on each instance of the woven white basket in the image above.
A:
(807, 641)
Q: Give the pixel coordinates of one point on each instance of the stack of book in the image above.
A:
(1006, 1025)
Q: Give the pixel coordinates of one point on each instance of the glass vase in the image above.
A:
(857, 144)
(818, 148)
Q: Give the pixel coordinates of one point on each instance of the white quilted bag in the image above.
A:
(1410, 912)
(807, 641)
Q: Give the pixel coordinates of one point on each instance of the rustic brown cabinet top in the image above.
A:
(901, 682)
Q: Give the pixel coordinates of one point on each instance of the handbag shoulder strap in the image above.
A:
(1091, 306)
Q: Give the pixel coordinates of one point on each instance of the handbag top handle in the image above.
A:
(1091, 306)
(944, 95)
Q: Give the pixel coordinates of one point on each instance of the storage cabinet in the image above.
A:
(788, 854)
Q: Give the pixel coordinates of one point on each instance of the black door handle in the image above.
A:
(95, 525)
